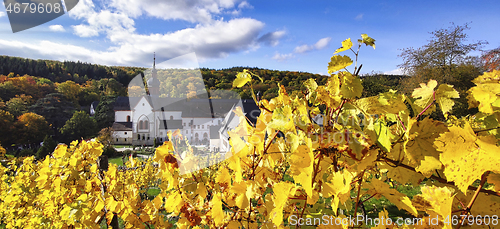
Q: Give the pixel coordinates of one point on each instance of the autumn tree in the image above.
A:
(70, 89)
(33, 128)
(47, 148)
(81, 125)
(445, 58)
(19, 104)
(105, 136)
(491, 59)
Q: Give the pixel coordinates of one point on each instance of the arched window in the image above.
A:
(128, 118)
(171, 117)
(140, 125)
(146, 126)
(138, 137)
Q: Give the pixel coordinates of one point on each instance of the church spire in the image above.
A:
(153, 71)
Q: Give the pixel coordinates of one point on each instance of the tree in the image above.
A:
(81, 125)
(445, 59)
(19, 105)
(6, 127)
(47, 148)
(33, 128)
(56, 109)
(447, 47)
(105, 136)
(491, 59)
(104, 113)
(69, 89)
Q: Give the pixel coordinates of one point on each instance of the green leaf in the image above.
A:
(347, 44)
(338, 62)
(444, 95)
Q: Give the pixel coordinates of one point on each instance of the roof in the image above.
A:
(214, 132)
(170, 124)
(122, 126)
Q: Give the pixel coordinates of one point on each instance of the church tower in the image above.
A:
(153, 82)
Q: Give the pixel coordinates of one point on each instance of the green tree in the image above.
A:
(6, 127)
(56, 109)
(81, 125)
(19, 105)
(47, 148)
(104, 114)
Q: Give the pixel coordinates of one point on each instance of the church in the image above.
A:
(203, 122)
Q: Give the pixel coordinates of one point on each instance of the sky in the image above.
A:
(275, 34)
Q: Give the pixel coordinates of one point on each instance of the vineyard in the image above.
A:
(288, 171)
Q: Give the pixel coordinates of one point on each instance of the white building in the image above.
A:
(141, 120)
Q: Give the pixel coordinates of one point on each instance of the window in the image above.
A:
(125, 133)
(187, 131)
(125, 139)
(148, 136)
(117, 140)
(128, 118)
(198, 126)
(146, 126)
(140, 125)
(184, 124)
(143, 137)
(171, 117)
(138, 137)
(202, 126)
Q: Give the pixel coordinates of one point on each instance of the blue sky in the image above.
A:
(275, 34)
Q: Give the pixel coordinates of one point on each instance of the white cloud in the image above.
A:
(359, 17)
(282, 57)
(244, 5)
(303, 48)
(320, 44)
(272, 38)
(398, 71)
(2, 14)
(208, 41)
(57, 28)
(196, 11)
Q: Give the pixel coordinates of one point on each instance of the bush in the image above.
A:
(110, 152)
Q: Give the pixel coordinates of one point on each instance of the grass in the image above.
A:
(116, 160)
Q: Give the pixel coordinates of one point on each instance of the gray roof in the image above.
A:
(170, 124)
(122, 126)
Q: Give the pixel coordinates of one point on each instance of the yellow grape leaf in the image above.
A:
(223, 176)
(400, 200)
(339, 186)
(444, 95)
(333, 85)
(483, 205)
(384, 135)
(368, 41)
(494, 178)
(421, 140)
(242, 78)
(392, 102)
(428, 166)
(424, 94)
(240, 189)
(338, 62)
(404, 176)
(382, 217)
(346, 44)
(465, 157)
(281, 192)
(440, 199)
(301, 167)
(351, 86)
(282, 119)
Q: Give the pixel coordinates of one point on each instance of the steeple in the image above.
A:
(153, 71)
(154, 83)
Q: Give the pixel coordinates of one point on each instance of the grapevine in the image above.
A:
(288, 166)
